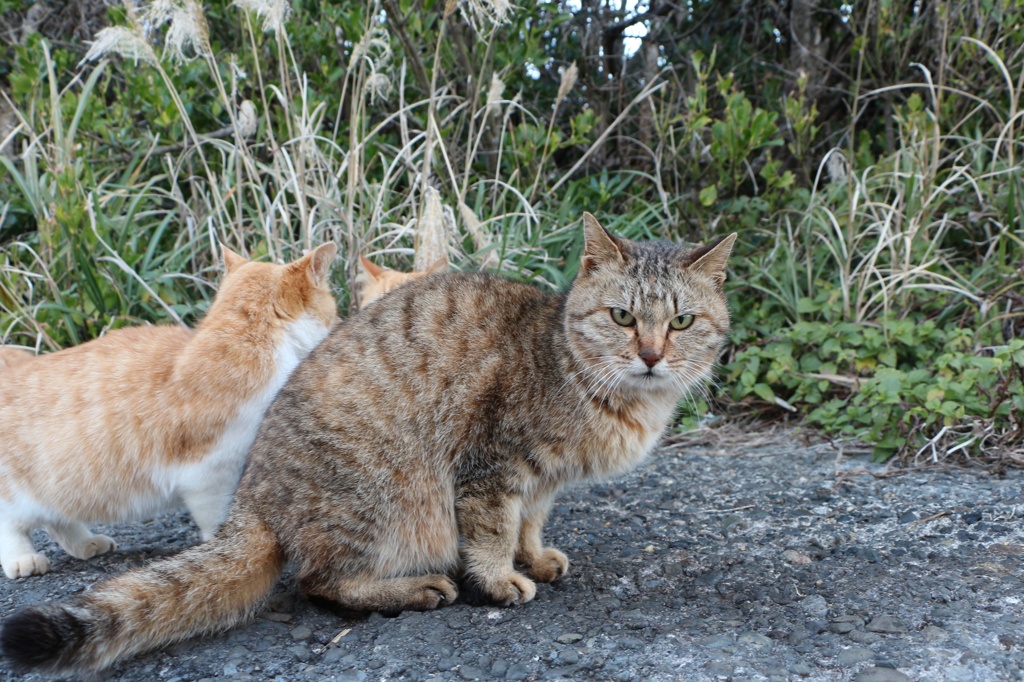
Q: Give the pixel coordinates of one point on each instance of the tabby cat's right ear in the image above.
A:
(232, 261)
(600, 247)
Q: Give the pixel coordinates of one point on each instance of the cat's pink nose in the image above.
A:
(650, 357)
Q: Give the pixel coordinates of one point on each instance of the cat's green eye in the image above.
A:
(623, 317)
(681, 322)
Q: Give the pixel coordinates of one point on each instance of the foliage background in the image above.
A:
(866, 151)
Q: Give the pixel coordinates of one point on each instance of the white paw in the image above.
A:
(25, 565)
(94, 546)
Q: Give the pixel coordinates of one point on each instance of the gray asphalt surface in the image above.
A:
(778, 562)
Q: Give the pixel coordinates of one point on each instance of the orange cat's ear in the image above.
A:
(439, 264)
(600, 247)
(711, 259)
(318, 268)
(370, 268)
(232, 261)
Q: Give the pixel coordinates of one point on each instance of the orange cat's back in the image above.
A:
(119, 427)
(9, 357)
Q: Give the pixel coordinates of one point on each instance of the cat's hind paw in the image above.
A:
(94, 546)
(548, 566)
(25, 565)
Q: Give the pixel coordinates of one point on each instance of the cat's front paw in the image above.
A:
(508, 590)
(25, 565)
(548, 566)
(434, 591)
(94, 546)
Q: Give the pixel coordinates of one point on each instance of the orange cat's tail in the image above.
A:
(205, 589)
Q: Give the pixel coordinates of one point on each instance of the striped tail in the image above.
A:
(208, 588)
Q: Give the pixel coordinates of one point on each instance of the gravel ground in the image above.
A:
(770, 563)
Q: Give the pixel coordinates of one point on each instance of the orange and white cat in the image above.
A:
(373, 281)
(9, 357)
(124, 426)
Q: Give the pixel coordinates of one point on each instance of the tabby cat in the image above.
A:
(119, 427)
(424, 439)
(373, 281)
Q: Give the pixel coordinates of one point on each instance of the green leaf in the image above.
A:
(708, 195)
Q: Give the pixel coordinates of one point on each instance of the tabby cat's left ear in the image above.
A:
(232, 261)
(317, 263)
(600, 247)
(711, 259)
(440, 264)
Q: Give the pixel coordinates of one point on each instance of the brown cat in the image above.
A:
(119, 427)
(426, 437)
(373, 281)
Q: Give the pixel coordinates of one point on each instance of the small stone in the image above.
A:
(908, 517)
(971, 518)
(300, 652)
(730, 522)
(815, 605)
(850, 657)
(498, 668)
(569, 638)
(517, 671)
(755, 640)
(716, 642)
(718, 669)
(933, 633)
(842, 628)
(886, 625)
(796, 558)
(861, 637)
(569, 656)
(801, 669)
(334, 655)
(302, 633)
(471, 672)
(277, 617)
(881, 675)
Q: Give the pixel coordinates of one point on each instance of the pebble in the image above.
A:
(881, 675)
(886, 625)
(469, 672)
(908, 517)
(815, 605)
(861, 637)
(933, 633)
(754, 639)
(302, 633)
(719, 669)
(569, 638)
(851, 657)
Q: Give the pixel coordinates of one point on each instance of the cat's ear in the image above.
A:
(232, 261)
(318, 267)
(600, 247)
(440, 264)
(370, 268)
(711, 260)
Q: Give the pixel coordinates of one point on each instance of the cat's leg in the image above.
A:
(208, 502)
(488, 516)
(393, 595)
(543, 564)
(79, 541)
(17, 553)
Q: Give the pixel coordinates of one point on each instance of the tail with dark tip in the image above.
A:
(205, 589)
